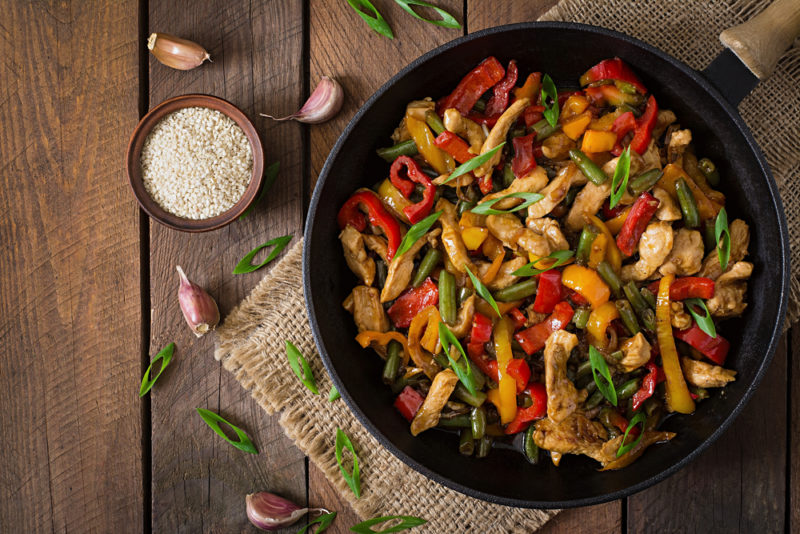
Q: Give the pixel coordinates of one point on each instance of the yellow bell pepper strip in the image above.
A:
(420, 358)
(469, 219)
(530, 89)
(587, 283)
(507, 386)
(599, 321)
(614, 224)
(494, 268)
(574, 127)
(440, 160)
(597, 252)
(605, 122)
(613, 255)
(474, 236)
(597, 141)
(707, 208)
(394, 200)
(430, 339)
(368, 337)
(678, 397)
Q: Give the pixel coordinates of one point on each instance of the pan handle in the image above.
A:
(761, 41)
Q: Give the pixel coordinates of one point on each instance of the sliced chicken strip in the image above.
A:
(368, 312)
(636, 352)
(588, 201)
(574, 435)
(510, 230)
(532, 182)
(668, 209)
(458, 124)
(740, 240)
(706, 375)
(428, 414)
(563, 398)
(498, 134)
(504, 277)
(466, 313)
(451, 237)
(654, 247)
(402, 267)
(678, 317)
(686, 256)
(555, 192)
(378, 245)
(730, 290)
(549, 228)
(356, 255)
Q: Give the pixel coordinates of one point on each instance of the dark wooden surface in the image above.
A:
(88, 284)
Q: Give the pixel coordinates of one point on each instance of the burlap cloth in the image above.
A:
(251, 341)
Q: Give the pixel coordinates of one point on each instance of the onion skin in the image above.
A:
(324, 103)
(198, 307)
(268, 511)
(175, 52)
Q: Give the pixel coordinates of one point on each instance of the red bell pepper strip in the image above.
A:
(499, 101)
(485, 184)
(518, 370)
(609, 212)
(533, 338)
(654, 376)
(454, 145)
(481, 329)
(644, 127)
(688, 287)
(713, 348)
(378, 216)
(473, 85)
(576, 298)
(537, 410)
(408, 402)
(612, 69)
(524, 160)
(549, 292)
(517, 317)
(623, 125)
(636, 222)
(532, 115)
(403, 174)
(480, 118)
(410, 303)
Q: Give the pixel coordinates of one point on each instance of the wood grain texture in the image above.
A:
(793, 422)
(481, 15)
(69, 303)
(198, 481)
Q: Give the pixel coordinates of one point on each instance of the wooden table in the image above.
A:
(88, 283)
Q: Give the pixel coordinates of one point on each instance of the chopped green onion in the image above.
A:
(485, 208)
(246, 265)
(623, 448)
(165, 356)
(483, 291)
(324, 521)
(376, 22)
(447, 20)
(474, 163)
(463, 370)
(296, 360)
(720, 229)
(599, 365)
(561, 257)
(353, 479)
(619, 183)
(269, 178)
(406, 522)
(415, 232)
(704, 320)
(549, 92)
(334, 394)
(213, 420)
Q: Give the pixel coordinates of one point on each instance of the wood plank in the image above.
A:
(70, 356)
(739, 484)
(793, 444)
(481, 15)
(199, 481)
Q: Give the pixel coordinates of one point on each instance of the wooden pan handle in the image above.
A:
(762, 40)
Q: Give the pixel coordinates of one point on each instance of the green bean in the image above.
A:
(590, 385)
(594, 400)
(571, 194)
(463, 395)
(645, 181)
(391, 153)
(447, 297)
(529, 446)
(628, 317)
(581, 317)
(588, 167)
(649, 297)
(626, 87)
(478, 418)
(381, 272)
(626, 390)
(608, 275)
(709, 236)
(464, 205)
(585, 244)
(616, 355)
(518, 291)
(433, 120)
(636, 299)
(426, 266)
(441, 360)
(702, 393)
(457, 421)
(584, 369)
(605, 416)
(544, 130)
(691, 217)
(484, 446)
(480, 106)
(709, 170)
(466, 443)
(480, 378)
(648, 318)
(403, 381)
(508, 175)
(463, 294)
(393, 359)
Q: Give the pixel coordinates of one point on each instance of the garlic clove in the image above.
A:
(268, 511)
(198, 307)
(175, 52)
(323, 104)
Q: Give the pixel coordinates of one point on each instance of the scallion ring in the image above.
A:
(600, 366)
(703, 320)
(375, 21)
(474, 163)
(561, 257)
(213, 420)
(550, 100)
(415, 232)
(447, 20)
(485, 208)
(483, 291)
(324, 522)
(406, 522)
(353, 478)
(246, 265)
(721, 230)
(165, 356)
(300, 367)
(637, 419)
(619, 183)
(463, 370)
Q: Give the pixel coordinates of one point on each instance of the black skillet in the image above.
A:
(704, 102)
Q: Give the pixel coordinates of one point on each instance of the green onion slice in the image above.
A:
(334, 394)
(213, 420)
(549, 92)
(483, 291)
(463, 369)
(599, 365)
(270, 175)
(485, 208)
(406, 522)
(296, 360)
(246, 265)
(561, 257)
(724, 248)
(474, 163)
(704, 320)
(447, 20)
(353, 479)
(375, 21)
(324, 521)
(623, 448)
(619, 183)
(415, 232)
(165, 356)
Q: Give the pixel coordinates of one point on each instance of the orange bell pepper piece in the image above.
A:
(574, 127)
(490, 275)
(615, 225)
(367, 337)
(598, 141)
(587, 283)
(599, 321)
(707, 208)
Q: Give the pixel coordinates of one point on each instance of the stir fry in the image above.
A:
(546, 267)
